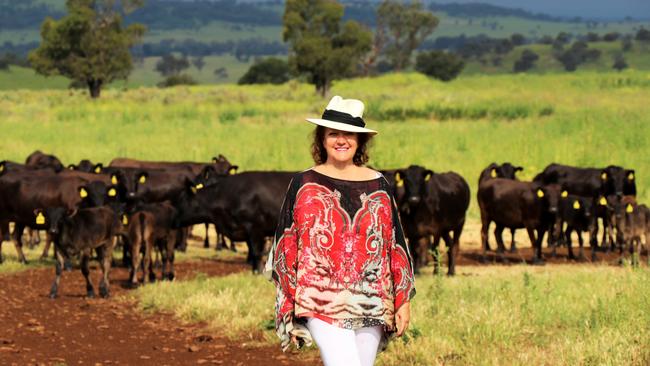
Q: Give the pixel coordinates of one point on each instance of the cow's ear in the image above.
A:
(630, 175)
(2, 167)
(39, 216)
(540, 193)
(114, 179)
(72, 167)
(629, 208)
(111, 192)
(98, 168)
(125, 219)
(233, 169)
(427, 175)
(493, 173)
(602, 201)
(603, 175)
(576, 205)
(519, 169)
(399, 179)
(83, 193)
(565, 194)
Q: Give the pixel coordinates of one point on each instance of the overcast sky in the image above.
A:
(571, 8)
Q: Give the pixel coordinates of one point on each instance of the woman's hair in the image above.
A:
(319, 154)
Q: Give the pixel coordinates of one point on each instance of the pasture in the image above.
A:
(560, 315)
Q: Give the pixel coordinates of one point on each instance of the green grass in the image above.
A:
(23, 78)
(584, 119)
(556, 315)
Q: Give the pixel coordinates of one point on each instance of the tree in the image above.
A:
(517, 39)
(405, 26)
(577, 54)
(268, 71)
(439, 64)
(169, 65)
(619, 63)
(198, 62)
(643, 35)
(89, 45)
(526, 61)
(221, 72)
(321, 48)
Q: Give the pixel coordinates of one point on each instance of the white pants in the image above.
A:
(345, 347)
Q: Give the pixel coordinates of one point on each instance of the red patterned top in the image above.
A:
(340, 255)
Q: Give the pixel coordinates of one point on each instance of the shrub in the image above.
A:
(439, 64)
(619, 63)
(526, 61)
(268, 71)
(173, 80)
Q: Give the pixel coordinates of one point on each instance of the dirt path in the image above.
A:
(74, 330)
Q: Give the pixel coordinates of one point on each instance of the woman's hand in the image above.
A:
(402, 318)
(294, 340)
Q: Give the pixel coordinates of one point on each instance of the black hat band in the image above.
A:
(336, 116)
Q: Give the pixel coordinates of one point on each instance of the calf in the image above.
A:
(507, 171)
(79, 232)
(634, 224)
(515, 204)
(578, 212)
(434, 204)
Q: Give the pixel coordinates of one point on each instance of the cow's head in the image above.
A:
(548, 196)
(52, 218)
(618, 181)
(415, 179)
(505, 170)
(222, 166)
(209, 176)
(132, 181)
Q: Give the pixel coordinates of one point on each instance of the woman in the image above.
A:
(339, 260)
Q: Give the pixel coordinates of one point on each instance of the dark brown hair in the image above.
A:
(319, 154)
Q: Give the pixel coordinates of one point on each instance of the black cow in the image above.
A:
(515, 204)
(38, 159)
(244, 207)
(633, 223)
(219, 163)
(79, 232)
(579, 215)
(87, 166)
(507, 171)
(592, 182)
(434, 204)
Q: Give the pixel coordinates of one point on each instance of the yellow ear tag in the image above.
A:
(125, 220)
(113, 179)
(400, 183)
(540, 193)
(83, 193)
(630, 176)
(603, 201)
(199, 186)
(232, 171)
(565, 194)
(427, 177)
(112, 192)
(576, 205)
(99, 170)
(193, 189)
(40, 219)
(603, 176)
(629, 208)
(2, 167)
(71, 167)
(493, 173)
(142, 179)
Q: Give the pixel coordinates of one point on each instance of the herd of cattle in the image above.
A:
(150, 206)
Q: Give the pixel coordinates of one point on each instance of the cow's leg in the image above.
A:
(58, 270)
(451, 253)
(107, 255)
(85, 258)
(171, 242)
(581, 254)
(135, 260)
(18, 242)
(501, 248)
(485, 226)
(567, 238)
(533, 239)
(147, 267)
(4, 231)
(537, 246)
(206, 241)
(436, 253)
(513, 247)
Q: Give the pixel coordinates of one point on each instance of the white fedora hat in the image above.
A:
(344, 115)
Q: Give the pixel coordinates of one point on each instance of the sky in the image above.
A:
(570, 8)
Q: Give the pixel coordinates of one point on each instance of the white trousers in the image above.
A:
(345, 347)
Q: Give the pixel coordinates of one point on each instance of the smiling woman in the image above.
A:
(339, 261)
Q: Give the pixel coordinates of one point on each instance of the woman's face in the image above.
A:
(340, 145)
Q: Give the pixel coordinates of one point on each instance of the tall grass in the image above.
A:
(556, 315)
(584, 119)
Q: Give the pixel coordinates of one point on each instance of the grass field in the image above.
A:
(556, 315)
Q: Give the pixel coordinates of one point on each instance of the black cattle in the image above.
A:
(80, 232)
(87, 166)
(153, 226)
(38, 159)
(592, 182)
(219, 163)
(23, 192)
(515, 204)
(579, 215)
(433, 204)
(244, 207)
(507, 171)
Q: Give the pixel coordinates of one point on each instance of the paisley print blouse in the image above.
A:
(340, 255)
